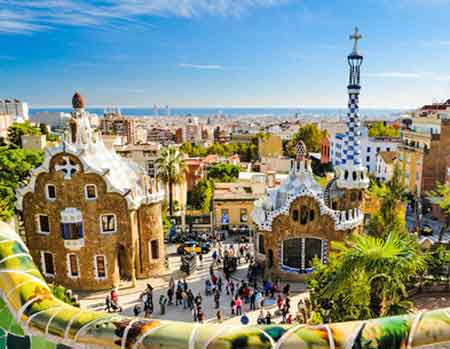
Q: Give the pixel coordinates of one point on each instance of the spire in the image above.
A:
(350, 172)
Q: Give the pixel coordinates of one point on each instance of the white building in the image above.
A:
(385, 165)
(51, 118)
(17, 109)
(192, 131)
(5, 122)
(370, 147)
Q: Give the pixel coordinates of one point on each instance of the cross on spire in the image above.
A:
(356, 36)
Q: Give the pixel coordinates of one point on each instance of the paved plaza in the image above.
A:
(129, 296)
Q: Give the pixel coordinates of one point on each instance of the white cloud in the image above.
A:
(24, 16)
(201, 66)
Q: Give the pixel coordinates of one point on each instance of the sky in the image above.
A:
(223, 53)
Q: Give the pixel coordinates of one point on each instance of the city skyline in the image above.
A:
(200, 53)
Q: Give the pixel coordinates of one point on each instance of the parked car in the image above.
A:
(192, 246)
(426, 230)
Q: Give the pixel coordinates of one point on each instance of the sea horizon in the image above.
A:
(300, 112)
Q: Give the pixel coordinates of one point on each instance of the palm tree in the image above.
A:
(170, 170)
(387, 265)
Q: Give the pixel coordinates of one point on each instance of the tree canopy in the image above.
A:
(15, 166)
(246, 152)
(390, 216)
(200, 198)
(366, 277)
(224, 172)
(311, 135)
(381, 129)
(17, 130)
(170, 170)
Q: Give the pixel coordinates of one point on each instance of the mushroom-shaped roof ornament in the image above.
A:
(301, 151)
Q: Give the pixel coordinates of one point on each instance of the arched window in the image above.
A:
(346, 174)
(303, 215)
(354, 175)
(295, 215)
(311, 215)
(261, 249)
(360, 195)
(353, 196)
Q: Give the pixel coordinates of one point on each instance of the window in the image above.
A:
(48, 266)
(292, 253)
(367, 158)
(100, 267)
(72, 231)
(313, 249)
(90, 192)
(368, 149)
(243, 215)
(388, 149)
(73, 265)
(261, 248)
(295, 215)
(108, 223)
(225, 216)
(311, 215)
(378, 149)
(304, 215)
(43, 224)
(154, 247)
(51, 192)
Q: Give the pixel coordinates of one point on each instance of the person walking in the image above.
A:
(253, 300)
(162, 303)
(268, 318)
(178, 296)
(217, 298)
(184, 297)
(170, 296)
(238, 302)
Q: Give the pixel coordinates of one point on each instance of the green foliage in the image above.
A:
(390, 217)
(15, 166)
(16, 131)
(438, 261)
(311, 135)
(201, 196)
(170, 170)
(224, 172)
(381, 129)
(366, 277)
(246, 152)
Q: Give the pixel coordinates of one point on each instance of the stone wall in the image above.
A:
(285, 227)
(70, 193)
(150, 229)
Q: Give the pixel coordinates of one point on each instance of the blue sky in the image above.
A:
(223, 53)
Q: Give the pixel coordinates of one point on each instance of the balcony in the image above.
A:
(74, 245)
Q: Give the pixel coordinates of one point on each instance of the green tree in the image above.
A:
(17, 130)
(201, 196)
(441, 197)
(367, 277)
(381, 129)
(311, 135)
(15, 166)
(224, 172)
(390, 216)
(171, 170)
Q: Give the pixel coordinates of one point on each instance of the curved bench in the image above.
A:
(29, 299)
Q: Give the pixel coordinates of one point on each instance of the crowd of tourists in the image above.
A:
(238, 296)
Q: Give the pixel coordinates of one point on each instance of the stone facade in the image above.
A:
(91, 218)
